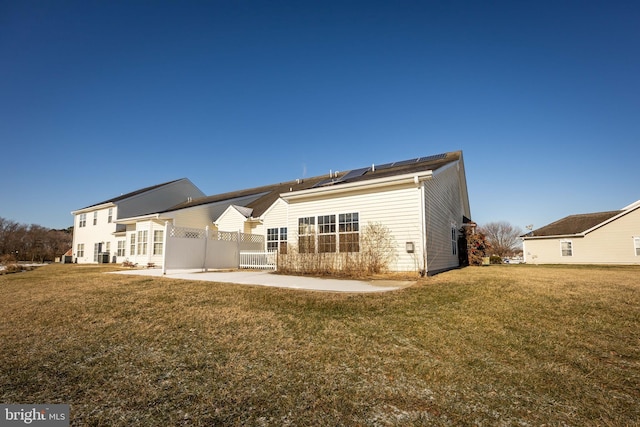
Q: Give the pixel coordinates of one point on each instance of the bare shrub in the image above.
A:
(7, 259)
(376, 251)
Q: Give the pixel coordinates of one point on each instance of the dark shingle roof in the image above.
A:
(133, 193)
(574, 224)
(272, 192)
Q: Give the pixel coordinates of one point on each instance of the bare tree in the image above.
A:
(502, 236)
(33, 242)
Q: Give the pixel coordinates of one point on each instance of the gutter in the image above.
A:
(413, 178)
(135, 219)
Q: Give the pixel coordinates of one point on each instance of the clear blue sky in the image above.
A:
(102, 98)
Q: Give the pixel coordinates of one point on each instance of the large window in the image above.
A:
(306, 235)
(82, 220)
(121, 246)
(326, 233)
(331, 236)
(142, 242)
(636, 245)
(349, 232)
(80, 250)
(277, 239)
(567, 248)
(158, 236)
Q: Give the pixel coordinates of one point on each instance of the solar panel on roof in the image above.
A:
(354, 174)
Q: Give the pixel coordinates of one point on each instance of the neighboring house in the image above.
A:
(97, 237)
(594, 238)
(423, 202)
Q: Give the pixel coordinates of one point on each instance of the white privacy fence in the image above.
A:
(259, 259)
(189, 248)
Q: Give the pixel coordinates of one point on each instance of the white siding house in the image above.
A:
(98, 236)
(423, 202)
(595, 238)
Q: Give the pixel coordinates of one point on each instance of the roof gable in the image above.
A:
(580, 224)
(574, 224)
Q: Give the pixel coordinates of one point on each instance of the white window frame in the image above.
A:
(307, 234)
(563, 250)
(454, 239)
(143, 236)
(95, 218)
(122, 244)
(327, 234)
(320, 229)
(80, 250)
(636, 245)
(277, 239)
(132, 244)
(158, 240)
(82, 220)
(348, 225)
(110, 215)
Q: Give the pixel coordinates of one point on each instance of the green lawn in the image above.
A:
(500, 345)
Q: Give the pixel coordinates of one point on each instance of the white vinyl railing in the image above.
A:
(256, 259)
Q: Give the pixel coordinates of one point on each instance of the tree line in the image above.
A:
(21, 242)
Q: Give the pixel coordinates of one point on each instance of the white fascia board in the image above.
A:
(414, 178)
(135, 219)
(557, 236)
(93, 208)
(632, 207)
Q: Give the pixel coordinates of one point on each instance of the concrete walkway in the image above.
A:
(268, 278)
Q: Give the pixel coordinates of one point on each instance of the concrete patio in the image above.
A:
(268, 278)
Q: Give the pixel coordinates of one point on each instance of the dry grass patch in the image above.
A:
(502, 345)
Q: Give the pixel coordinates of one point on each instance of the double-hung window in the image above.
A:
(277, 239)
(636, 245)
(95, 218)
(349, 232)
(121, 245)
(142, 242)
(132, 244)
(80, 250)
(158, 236)
(110, 215)
(307, 235)
(82, 220)
(326, 233)
(566, 247)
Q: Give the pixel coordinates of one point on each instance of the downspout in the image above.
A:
(423, 232)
